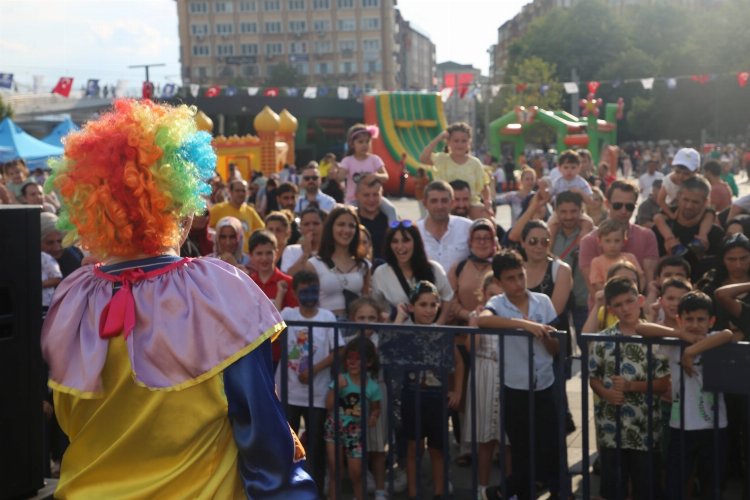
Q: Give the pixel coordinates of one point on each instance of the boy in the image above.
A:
(308, 359)
(517, 308)
(565, 178)
(612, 237)
(667, 267)
(694, 320)
(276, 285)
(628, 390)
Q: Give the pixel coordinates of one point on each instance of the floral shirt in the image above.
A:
(634, 413)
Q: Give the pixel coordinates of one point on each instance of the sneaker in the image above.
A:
(370, 482)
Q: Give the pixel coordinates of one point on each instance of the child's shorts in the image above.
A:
(350, 436)
(431, 405)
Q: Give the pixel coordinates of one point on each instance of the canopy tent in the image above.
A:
(15, 143)
(61, 130)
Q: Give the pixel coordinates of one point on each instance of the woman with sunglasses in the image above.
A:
(341, 266)
(406, 264)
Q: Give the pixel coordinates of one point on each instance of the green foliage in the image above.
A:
(6, 111)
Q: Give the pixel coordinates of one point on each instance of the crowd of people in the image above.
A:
(656, 245)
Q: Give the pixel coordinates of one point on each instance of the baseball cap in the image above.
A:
(688, 158)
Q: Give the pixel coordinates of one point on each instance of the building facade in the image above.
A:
(459, 108)
(416, 57)
(328, 42)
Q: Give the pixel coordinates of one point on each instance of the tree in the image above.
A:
(6, 111)
(283, 75)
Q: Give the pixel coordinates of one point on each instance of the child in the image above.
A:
(668, 267)
(420, 362)
(457, 162)
(367, 310)
(516, 198)
(350, 407)
(627, 390)
(599, 317)
(15, 174)
(358, 161)
(307, 362)
(696, 427)
(51, 277)
(517, 308)
(566, 178)
(612, 236)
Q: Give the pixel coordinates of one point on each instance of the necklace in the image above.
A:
(341, 274)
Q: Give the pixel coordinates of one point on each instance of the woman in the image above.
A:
(199, 238)
(228, 243)
(466, 277)
(296, 256)
(341, 266)
(732, 267)
(406, 264)
(596, 211)
(280, 225)
(516, 198)
(739, 224)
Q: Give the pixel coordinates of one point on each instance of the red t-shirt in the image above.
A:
(270, 288)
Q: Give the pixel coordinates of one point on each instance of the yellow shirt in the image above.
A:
(471, 171)
(246, 214)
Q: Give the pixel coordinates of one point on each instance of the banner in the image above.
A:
(194, 89)
(252, 91)
(168, 91)
(570, 87)
(648, 83)
(311, 92)
(446, 93)
(343, 92)
(271, 92)
(212, 91)
(92, 88)
(63, 86)
(6, 80)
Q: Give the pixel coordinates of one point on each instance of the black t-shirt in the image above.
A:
(70, 260)
(686, 234)
(377, 227)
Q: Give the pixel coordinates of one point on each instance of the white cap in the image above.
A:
(688, 158)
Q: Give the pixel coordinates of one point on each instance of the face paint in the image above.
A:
(309, 296)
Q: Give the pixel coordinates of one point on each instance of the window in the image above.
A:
(224, 28)
(323, 68)
(321, 25)
(296, 5)
(247, 6)
(273, 27)
(321, 4)
(198, 7)
(347, 25)
(249, 49)
(372, 66)
(347, 45)
(248, 27)
(200, 72)
(271, 5)
(370, 23)
(345, 4)
(223, 7)
(302, 68)
(348, 67)
(201, 50)
(370, 3)
(370, 45)
(199, 29)
(273, 49)
(297, 26)
(298, 48)
(224, 49)
(322, 47)
(250, 70)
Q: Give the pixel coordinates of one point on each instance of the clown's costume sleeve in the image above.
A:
(161, 372)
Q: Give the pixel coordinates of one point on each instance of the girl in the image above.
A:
(350, 407)
(457, 162)
(359, 162)
(343, 270)
(228, 243)
(515, 198)
(596, 210)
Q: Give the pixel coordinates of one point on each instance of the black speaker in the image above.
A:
(21, 383)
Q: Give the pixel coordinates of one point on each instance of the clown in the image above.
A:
(160, 366)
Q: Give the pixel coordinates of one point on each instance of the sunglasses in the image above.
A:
(406, 223)
(534, 241)
(628, 206)
(310, 177)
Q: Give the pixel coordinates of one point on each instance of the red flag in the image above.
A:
(593, 87)
(701, 79)
(63, 86)
(147, 91)
(742, 78)
(271, 92)
(212, 91)
(520, 87)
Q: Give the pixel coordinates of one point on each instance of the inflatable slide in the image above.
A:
(408, 121)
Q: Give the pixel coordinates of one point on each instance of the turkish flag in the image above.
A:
(701, 79)
(742, 78)
(212, 91)
(63, 86)
(271, 92)
(520, 87)
(147, 91)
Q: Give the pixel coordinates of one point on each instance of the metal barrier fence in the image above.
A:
(392, 365)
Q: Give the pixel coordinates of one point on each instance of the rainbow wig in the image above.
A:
(128, 179)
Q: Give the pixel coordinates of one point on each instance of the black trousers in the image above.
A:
(315, 446)
(633, 470)
(699, 456)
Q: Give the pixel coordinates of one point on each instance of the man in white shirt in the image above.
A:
(446, 236)
(646, 180)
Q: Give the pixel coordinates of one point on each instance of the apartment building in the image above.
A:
(416, 57)
(328, 42)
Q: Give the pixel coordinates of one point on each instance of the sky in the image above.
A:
(101, 38)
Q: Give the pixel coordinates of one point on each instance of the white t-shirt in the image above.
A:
(387, 288)
(671, 188)
(646, 181)
(353, 166)
(699, 405)
(298, 357)
(50, 269)
(561, 184)
(291, 254)
(453, 246)
(333, 282)
(743, 202)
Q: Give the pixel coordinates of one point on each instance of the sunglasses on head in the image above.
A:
(628, 206)
(310, 177)
(534, 241)
(406, 223)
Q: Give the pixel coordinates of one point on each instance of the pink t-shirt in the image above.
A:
(601, 264)
(353, 166)
(641, 243)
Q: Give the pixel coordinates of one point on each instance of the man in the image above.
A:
(461, 198)
(237, 207)
(649, 207)
(286, 199)
(691, 204)
(369, 192)
(33, 194)
(311, 193)
(646, 181)
(641, 242)
(446, 236)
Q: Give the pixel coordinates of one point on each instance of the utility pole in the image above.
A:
(147, 66)
(574, 98)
